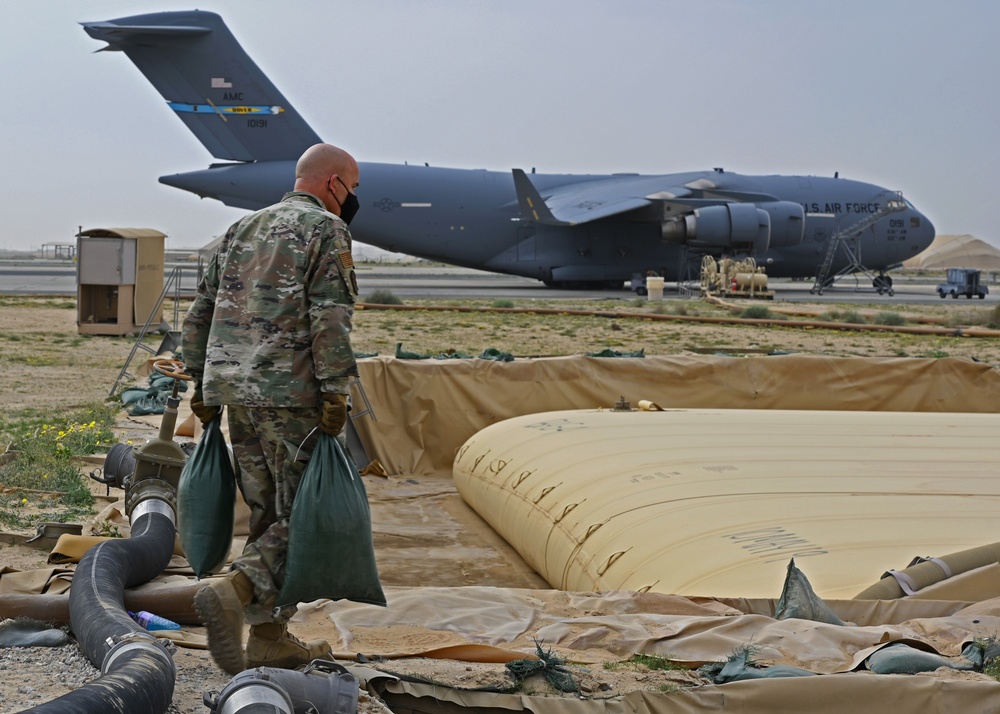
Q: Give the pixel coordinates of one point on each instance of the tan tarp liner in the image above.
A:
(595, 627)
(957, 251)
(426, 409)
(589, 629)
(858, 694)
(716, 502)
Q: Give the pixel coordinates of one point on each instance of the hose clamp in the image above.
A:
(137, 492)
(135, 642)
(153, 505)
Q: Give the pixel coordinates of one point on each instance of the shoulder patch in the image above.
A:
(346, 259)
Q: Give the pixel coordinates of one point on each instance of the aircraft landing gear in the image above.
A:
(883, 284)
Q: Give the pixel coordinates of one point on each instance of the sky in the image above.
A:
(901, 93)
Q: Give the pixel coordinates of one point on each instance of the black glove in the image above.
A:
(334, 415)
(204, 412)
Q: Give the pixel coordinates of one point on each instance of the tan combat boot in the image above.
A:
(272, 645)
(220, 605)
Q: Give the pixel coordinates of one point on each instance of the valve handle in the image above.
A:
(172, 368)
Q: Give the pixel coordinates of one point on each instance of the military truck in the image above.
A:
(963, 281)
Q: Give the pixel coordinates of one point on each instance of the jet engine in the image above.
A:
(788, 222)
(732, 226)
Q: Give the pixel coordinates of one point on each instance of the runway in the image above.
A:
(452, 283)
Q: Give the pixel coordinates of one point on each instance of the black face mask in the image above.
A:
(350, 206)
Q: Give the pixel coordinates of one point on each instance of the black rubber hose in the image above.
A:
(140, 678)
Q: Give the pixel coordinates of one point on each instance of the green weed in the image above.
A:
(40, 469)
(888, 318)
(757, 312)
(993, 321)
(851, 317)
(383, 297)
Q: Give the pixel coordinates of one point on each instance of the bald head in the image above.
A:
(329, 173)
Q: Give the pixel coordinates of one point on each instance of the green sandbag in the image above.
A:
(164, 384)
(330, 550)
(608, 352)
(740, 667)
(404, 354)
(151, 404)
(206, 499)
(496, 355)
(134, 394)
(901, 658)
(799, 600)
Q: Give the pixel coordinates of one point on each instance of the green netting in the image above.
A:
(548, 664)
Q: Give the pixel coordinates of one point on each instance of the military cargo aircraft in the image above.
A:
(572, 231)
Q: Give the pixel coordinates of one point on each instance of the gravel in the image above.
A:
(30, 676)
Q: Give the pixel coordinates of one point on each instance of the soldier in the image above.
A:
(268, 337)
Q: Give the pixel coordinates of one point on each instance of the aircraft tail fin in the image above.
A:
(211, 83)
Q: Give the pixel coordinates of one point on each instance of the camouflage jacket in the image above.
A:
(271, 324)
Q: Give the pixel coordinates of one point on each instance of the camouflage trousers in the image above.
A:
(272, 447)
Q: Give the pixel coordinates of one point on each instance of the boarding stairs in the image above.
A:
(171, 338)
(846, 241)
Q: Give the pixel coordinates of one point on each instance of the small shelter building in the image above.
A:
(119, 280)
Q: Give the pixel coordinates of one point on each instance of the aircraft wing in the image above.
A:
(585, 201)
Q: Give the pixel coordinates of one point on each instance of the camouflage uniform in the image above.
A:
(268, 333)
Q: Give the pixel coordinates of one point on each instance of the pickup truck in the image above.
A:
(963, 281)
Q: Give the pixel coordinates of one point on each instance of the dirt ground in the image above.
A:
(45, 364)
(47, 368)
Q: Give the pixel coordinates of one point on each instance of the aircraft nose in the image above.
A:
(924, 229)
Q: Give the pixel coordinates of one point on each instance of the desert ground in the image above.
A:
(46, 367)
(45, 363)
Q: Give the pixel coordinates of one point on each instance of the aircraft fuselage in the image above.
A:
(471, 218)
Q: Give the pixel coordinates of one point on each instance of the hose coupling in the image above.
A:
(134, 642)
